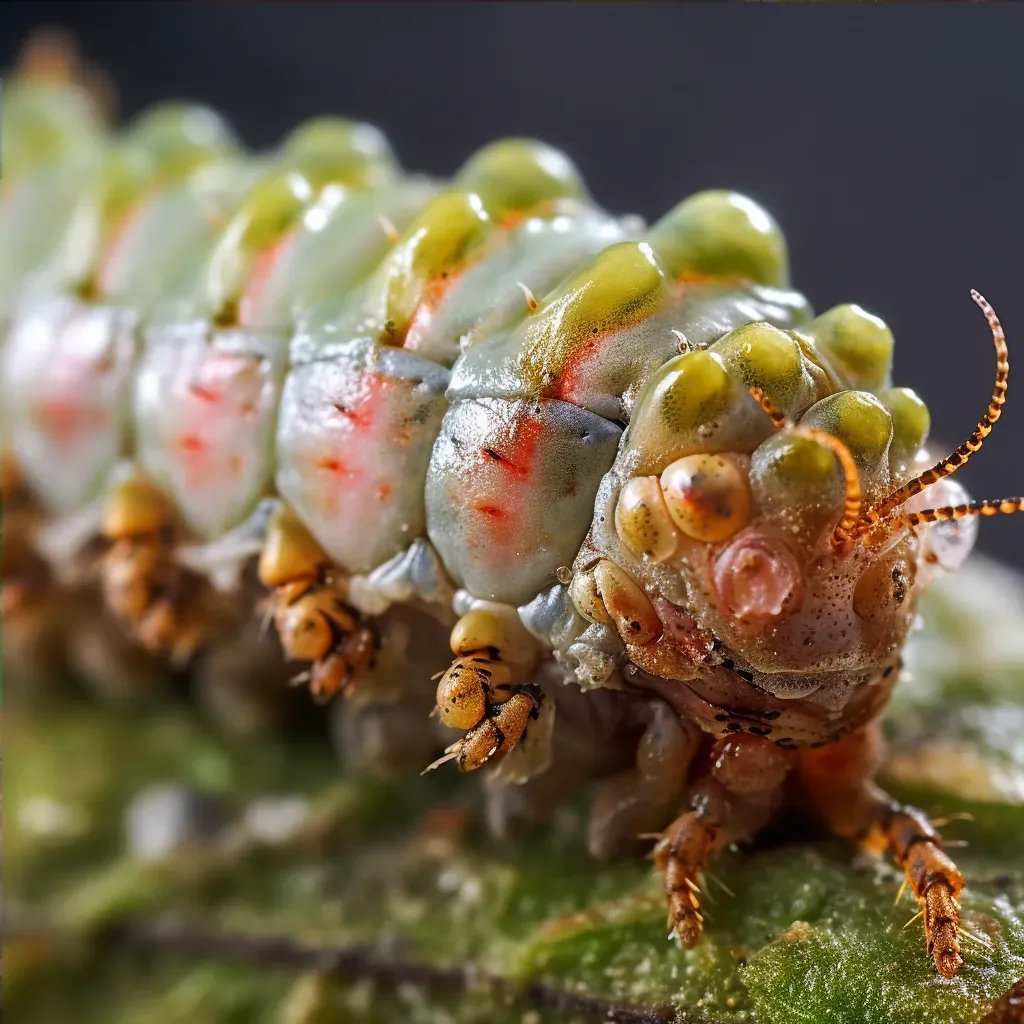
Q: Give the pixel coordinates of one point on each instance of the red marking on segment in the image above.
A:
(104, 364)
(430, 299)
(192, 443)
(359, 418)
(513, 468)
(491, 511)
(64, 418)
(499, 485)
(573, 383)
(332, 465)
(433, 292)
(693, 280)
(199, 467)
(347, 470)
(205, 394)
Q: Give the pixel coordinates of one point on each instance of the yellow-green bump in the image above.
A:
(862, 423)
(764, 357)
(162, 146)
(911, 423)
(179, 137)
(692, 389)
(789, 466)
(688, 393)
(514, 176)
(722, 234)
(447, 234)
(269, 211)
(42, 121)
(336, 149)
(622, 286)
(857, 343)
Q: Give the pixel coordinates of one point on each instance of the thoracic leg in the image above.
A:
(740, 795)
(165, 607)
(838, 779)
(479, 692)
(311, 614)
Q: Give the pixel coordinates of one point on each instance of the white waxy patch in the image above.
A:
(946, 544)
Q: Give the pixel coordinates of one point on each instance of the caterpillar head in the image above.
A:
(774, 506)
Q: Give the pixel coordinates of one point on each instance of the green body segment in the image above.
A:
(140, 213)
(52, 136)
(536, 414)
(399, 361)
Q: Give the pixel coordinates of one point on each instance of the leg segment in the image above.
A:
(734, 802)
(478, 692)
(165, 607)
(310, 612)
(838, 779)
(640, 799)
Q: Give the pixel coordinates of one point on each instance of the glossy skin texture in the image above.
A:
(618, 459)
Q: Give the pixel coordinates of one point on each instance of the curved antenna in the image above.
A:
(949, 465)
(1003, 507)
(852, 498)
(778, 418)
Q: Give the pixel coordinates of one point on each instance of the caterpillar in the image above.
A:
(653, 522)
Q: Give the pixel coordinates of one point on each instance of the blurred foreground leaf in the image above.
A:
(799, 928)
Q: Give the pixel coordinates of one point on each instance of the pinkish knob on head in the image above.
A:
(758, 580)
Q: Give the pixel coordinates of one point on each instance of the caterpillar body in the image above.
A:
(622, 470)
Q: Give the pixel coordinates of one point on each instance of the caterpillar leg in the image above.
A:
(640, 799)
(162, 604)
(478, 692)
(740, 795)
(309, 609)
(838, 779)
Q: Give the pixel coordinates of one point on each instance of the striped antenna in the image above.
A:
(949, 465)
(779, 421)
(1003, 507)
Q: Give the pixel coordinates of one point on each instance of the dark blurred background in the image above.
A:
(885, 139)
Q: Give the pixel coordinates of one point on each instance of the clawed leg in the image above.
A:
(479, 692)
(742, 793)
(165, 607)
(933, 877)
(310, 611)
(315, 624)
(679, 855)
(838, 779)
(475, 695)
